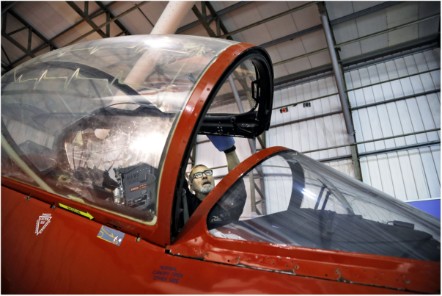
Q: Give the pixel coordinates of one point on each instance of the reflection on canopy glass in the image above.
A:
(91, 121)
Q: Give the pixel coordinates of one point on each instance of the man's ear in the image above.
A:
(191, 188)
(189, 183)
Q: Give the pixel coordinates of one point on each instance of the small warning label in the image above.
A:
(42, 222)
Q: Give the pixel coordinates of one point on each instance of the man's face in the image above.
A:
(204, 184)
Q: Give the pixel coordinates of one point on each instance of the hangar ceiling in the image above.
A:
(291, 31)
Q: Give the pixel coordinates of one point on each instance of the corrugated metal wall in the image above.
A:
(391, 98)
(308, 117)
(395, 104)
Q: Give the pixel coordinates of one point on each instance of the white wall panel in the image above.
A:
(373, 74)
(387, 92)
(405, 121)
(407, 175)
(410, 62)
(436, 78)
(396, 126)
(435, 160)
(376, 127)
(385, 174)
(434, 103)
(431, 162)
(392, 89)
(382, 72)
(344, 166)
(394, 119)
(392, 80)
(375, 173)
(432, 59)
(416, 120)
(313, 134)
(428, 121)
(310, 128)
(280, 70)
(324, 88)
(387, 130)
(407, 172)
(419, 177)
(362, 131)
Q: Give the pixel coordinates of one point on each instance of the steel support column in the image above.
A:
(341, 89)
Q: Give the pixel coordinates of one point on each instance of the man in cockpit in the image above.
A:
(201, 182)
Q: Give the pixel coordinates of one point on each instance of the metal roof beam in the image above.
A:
(364, 12)
(5, 54)
(6, 5)
(51, 41)
(202, 17)
(85, 15)
(136, 6)
(305, 55)
(145, 16)
(218, 13)
(268, 19)
(18, 45)
(94, 14)
(42, 46)
(33, 30)
(28, 52)
(205, 20)
(303, 76)
(430, 41)
(219, 23)
(436, 15)
(111, 16)
(292, 36)
(233, 7)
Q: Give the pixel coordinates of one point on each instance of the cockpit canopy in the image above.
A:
(292, 200)
(92, 122)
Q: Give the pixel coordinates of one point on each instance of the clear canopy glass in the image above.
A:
(91, 121)
(291, 200)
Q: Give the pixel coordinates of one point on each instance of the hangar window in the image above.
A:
(290, 200)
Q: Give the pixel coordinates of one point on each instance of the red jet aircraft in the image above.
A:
(96, 141)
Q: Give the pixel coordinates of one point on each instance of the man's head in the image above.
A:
(201, 180)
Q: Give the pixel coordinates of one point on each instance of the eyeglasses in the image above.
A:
(200, 174)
